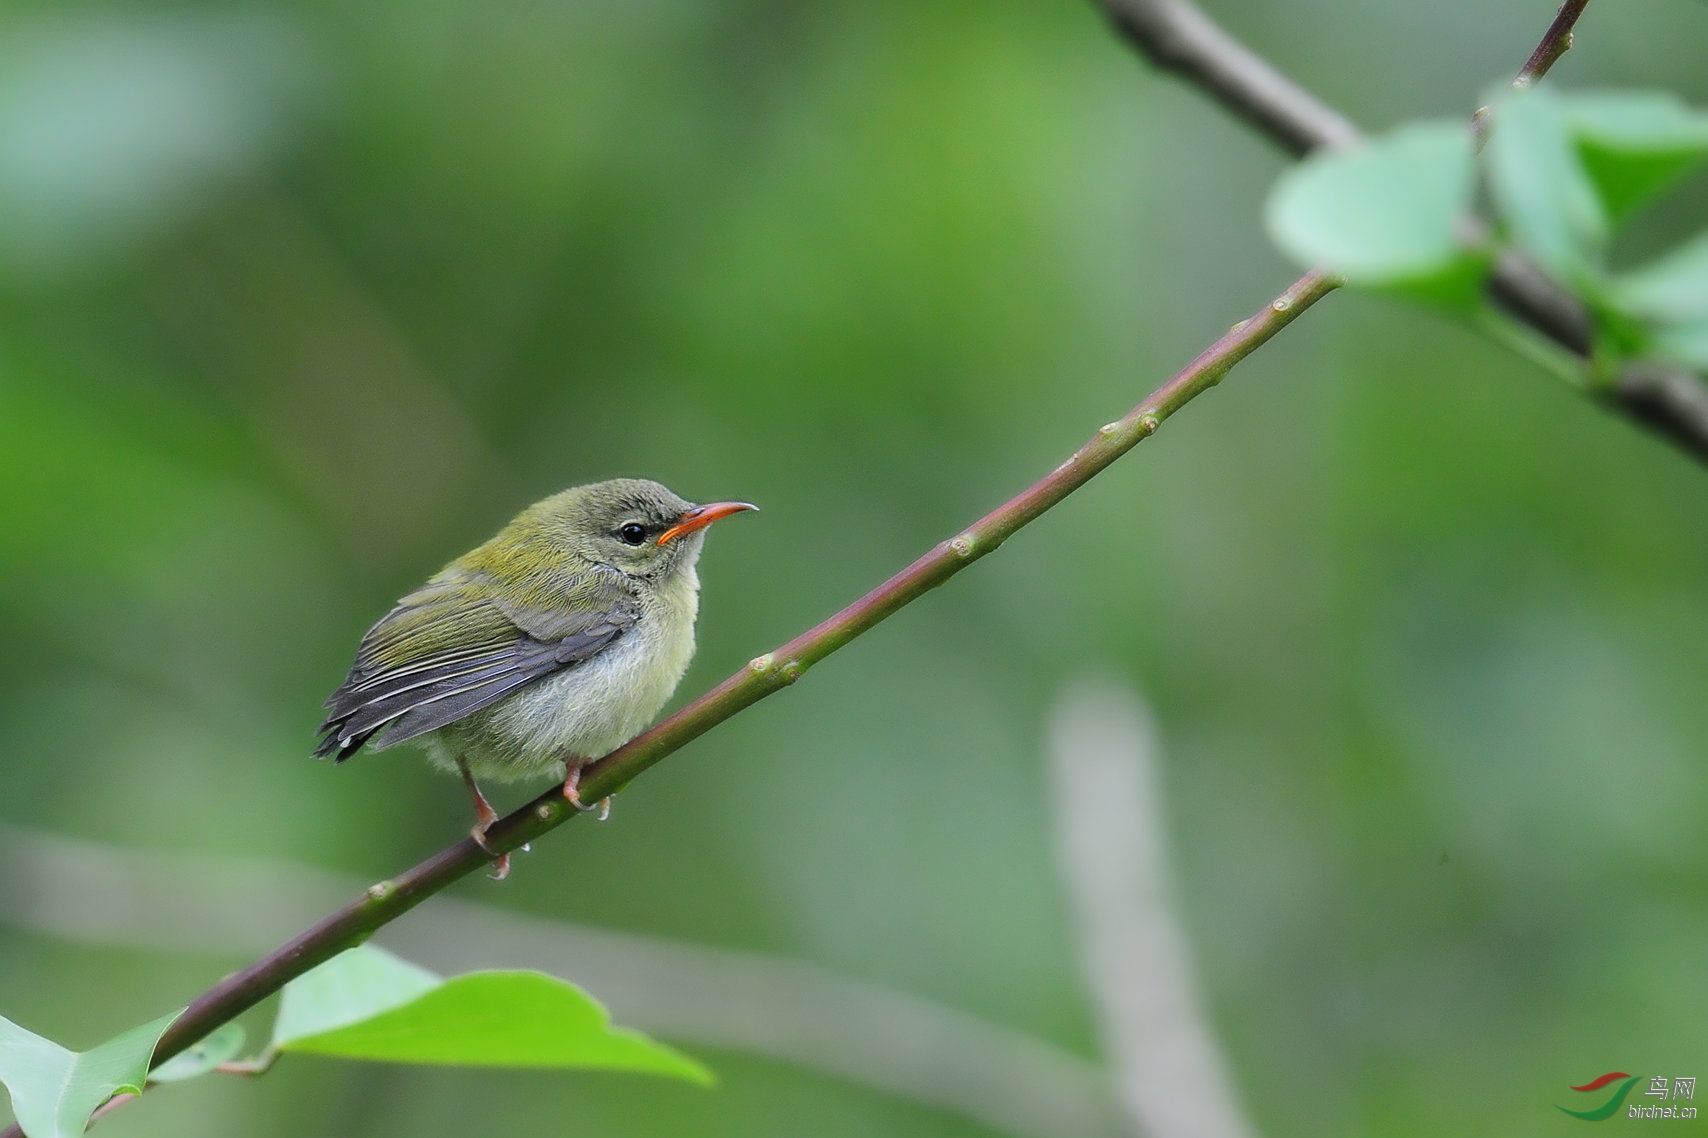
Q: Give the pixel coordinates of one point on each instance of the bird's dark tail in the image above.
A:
(336, 745)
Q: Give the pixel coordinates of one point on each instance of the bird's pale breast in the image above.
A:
(585, 711)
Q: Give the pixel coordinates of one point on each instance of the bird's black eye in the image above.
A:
(633, 532)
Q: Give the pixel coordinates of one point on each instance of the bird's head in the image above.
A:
(632, 524)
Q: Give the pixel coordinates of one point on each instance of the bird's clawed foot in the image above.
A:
(500, 862)
(571, 792)
(484, 817)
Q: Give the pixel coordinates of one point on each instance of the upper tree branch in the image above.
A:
(1178, 36)
(1555, 43)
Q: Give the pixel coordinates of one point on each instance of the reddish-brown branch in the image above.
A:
(387, 900)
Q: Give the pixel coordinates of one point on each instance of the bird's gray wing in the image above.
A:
(450, 648)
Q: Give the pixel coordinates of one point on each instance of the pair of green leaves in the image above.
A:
(362, 1004)
(1563, 172)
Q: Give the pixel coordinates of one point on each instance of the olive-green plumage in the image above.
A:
(548, 646)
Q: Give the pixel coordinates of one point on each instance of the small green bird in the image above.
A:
(546, 648)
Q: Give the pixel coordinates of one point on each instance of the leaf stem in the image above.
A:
(1527, 343)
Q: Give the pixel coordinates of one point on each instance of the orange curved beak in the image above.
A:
(702, 516)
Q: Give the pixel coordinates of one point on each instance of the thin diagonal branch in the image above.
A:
(1179, 37)
(387, 900)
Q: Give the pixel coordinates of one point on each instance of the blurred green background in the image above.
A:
(298, 301)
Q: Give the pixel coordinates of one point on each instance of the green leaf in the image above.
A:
(54, 1091)
(503, 1019)
(1673, 287)
(368, 1004)
(1635, 143)
(1541, 188)
(1384, 212)
(199, 1058)
(353, 986)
